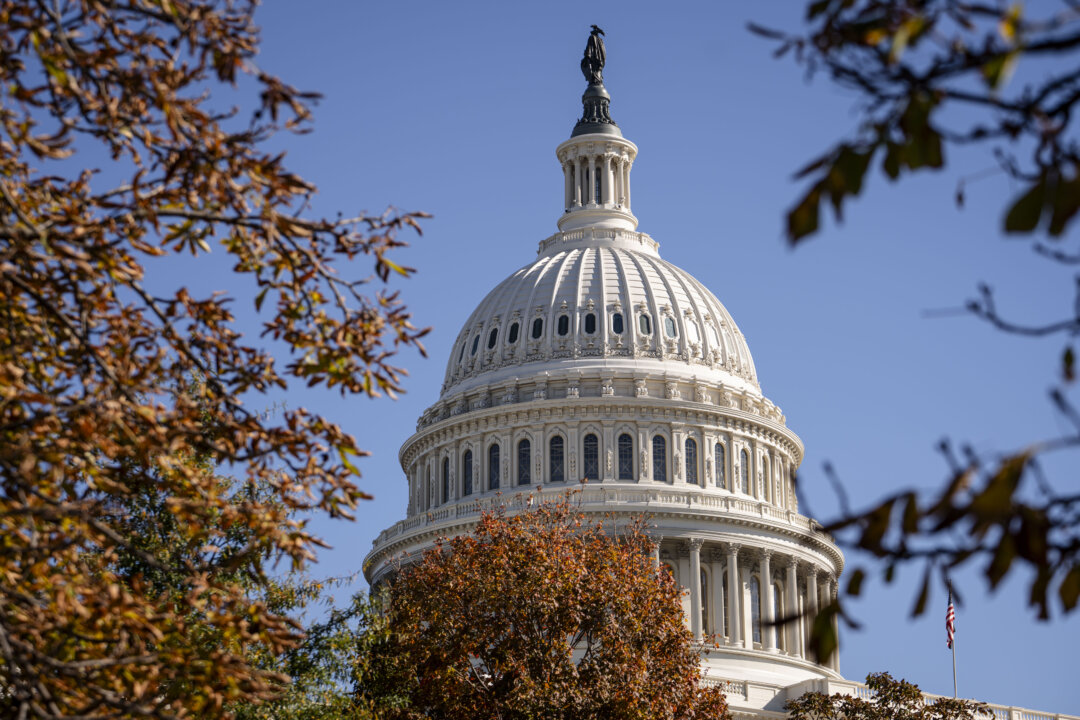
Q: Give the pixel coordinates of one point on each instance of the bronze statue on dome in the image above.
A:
(592, 65)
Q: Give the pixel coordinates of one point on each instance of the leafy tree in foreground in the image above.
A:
(893, 700)
(932, 75)
(540, 614)
(95, 362)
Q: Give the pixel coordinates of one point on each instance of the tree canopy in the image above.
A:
(892, 700)
(544, 613)
(931, 77)
(118, 150)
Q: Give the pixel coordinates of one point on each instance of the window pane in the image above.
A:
(513, 333)
(466, 471)
(669, 327)
(645, 325)
(492, 337)
(659, 459)
(755, 608)
(691, 461)
(592, 457)
(555, 459)
(721, 465)
(446, 480)
(538, 328)
(626, 457)
(493, 467)
(590, 323)
(475, 344)
(524, 458)
(616, 324)
(705, 604)
(564, 324)
(744, 471)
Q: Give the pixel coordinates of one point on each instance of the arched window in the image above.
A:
(493, 467)
(691, 461)
(616, 324)
(537, 328)
(591, 465)
(721, 465)
(475, 344)
(765, 487)
(669, 327)
(512, 338)
(492, 337)
(659, 458)
(778, 612)
(524, 460)
(727, 618)
(590, 324)
(446, 480)
(626, 457)
(564, 324)
(644, 324)
(744, 471)
(755, 609)
(466, 472)
(556, 459)
(705, 603)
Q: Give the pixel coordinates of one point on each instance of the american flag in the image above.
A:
(950, 622)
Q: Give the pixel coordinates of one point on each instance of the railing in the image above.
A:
(658, 497)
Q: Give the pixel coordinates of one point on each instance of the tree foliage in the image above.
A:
(94, 361)
(892, 700)
(540, 614)
(934, 75)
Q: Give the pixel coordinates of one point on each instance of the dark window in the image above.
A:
(446, 480)
(645, 324)
(492, 337)
(765, 489)
(493, 467)
(755, 608)
(466, 471)
(616, 324)
(744, 471)
(564, 324)
(598, 188)
(669, 327)
(727, 619)
(538, 328)
(778, 612)
(513, 333)
(659, 459)
(475, 344)
(721, 465)
(524, 458)
(704, 603)
(691, 461)
(626, 457)
(462, 353)
(590, 323)
(556, 457)
(591, 466)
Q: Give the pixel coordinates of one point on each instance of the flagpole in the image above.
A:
(954, 668)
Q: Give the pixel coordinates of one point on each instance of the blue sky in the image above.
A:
(456, 108)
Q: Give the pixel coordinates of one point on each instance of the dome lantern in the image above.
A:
(596, 160)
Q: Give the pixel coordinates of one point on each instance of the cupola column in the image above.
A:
(811, 609)
(794, 644)
(568, 184)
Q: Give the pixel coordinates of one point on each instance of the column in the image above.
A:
(619, 192)
(694, 545)
(568, 184)
(626, 184)
(590, 191)
(811, 610)
(579, 173)
(609, 181)
(768, 632)
(834, 662)
(655, 552)
(794, 637)
(735, 631)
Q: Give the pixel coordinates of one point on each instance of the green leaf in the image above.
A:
(1024, 214)
(997, 71)
(924, 594)
(803, 218)
(1002, 560)
(854, 586)
(1068, 365)
(911, 515)
(259, 299)
(1064, 206)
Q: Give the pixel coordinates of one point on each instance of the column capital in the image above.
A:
(765, 553)
(792, 562)
(733, 548)
(694, 544)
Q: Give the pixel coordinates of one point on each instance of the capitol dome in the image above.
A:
(602, 367)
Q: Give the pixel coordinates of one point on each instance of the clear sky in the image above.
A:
(456, 109)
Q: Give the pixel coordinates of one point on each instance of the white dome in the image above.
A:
(599, 298)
